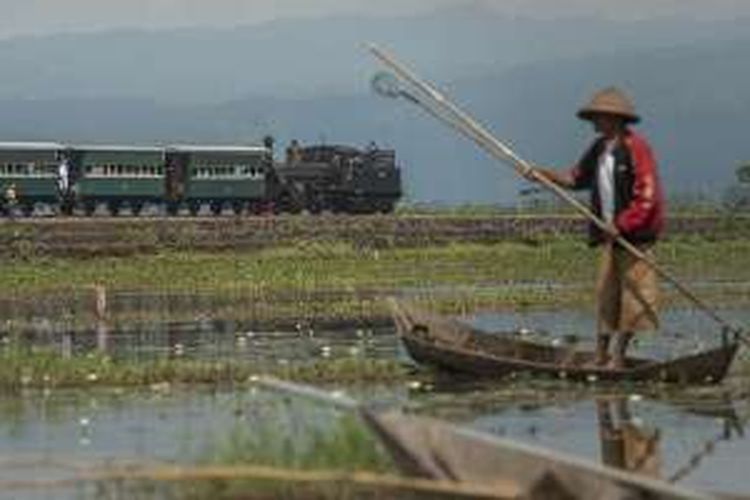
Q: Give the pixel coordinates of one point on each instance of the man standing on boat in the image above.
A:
(620, 171)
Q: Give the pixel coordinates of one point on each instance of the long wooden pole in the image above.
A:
(382, 484)
(466, 125)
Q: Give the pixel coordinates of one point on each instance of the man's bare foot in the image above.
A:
(601, 355)
(616, 363)
(622, 341)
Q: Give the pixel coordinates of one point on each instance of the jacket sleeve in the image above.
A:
(582, 173)
(642, 205)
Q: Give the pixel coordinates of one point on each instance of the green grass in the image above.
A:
(343, 444)
(291, 434)
(43, 368)
(277, 436)
(321, 282)
(317, 266)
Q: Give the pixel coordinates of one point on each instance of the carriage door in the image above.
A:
(176, 175)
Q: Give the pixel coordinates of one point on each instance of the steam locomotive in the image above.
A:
(737, 197)
(196, 178)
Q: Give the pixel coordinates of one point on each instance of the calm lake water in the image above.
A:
(697, 437)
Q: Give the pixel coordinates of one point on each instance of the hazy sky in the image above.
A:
(21, 17)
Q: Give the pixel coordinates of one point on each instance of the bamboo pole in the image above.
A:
(322, 478)
(460, 121)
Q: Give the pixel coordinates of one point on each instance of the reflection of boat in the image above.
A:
(630, 444)
(454, 346)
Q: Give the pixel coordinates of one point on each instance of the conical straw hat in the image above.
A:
(611, 101)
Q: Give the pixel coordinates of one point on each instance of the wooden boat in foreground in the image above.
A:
(429, 448)
(453, 346)
(481, 465)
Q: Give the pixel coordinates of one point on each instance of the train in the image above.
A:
(196, 179)
(737, 196)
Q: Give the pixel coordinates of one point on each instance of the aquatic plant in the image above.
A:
(291, 435)
(22, 368)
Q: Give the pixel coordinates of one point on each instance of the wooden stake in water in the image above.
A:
(100, 315)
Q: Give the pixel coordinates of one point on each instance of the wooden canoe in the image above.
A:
(481, 465)
(429, 448)
(453, 346)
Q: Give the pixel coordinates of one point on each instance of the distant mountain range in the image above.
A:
(309, 79)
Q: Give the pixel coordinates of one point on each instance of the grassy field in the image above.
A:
(337, 282)
(331, 266)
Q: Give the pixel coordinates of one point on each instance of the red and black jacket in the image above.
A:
(639, 200)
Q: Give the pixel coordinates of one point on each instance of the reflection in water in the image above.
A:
(626, 443)
(732, 426)
(698, 443)
(693, 442)
(217, 340)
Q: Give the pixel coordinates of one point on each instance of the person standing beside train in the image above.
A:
(11, 199)
(620, 170)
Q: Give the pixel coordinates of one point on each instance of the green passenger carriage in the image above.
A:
(218, 176)
(118, 176)
(29, 174)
